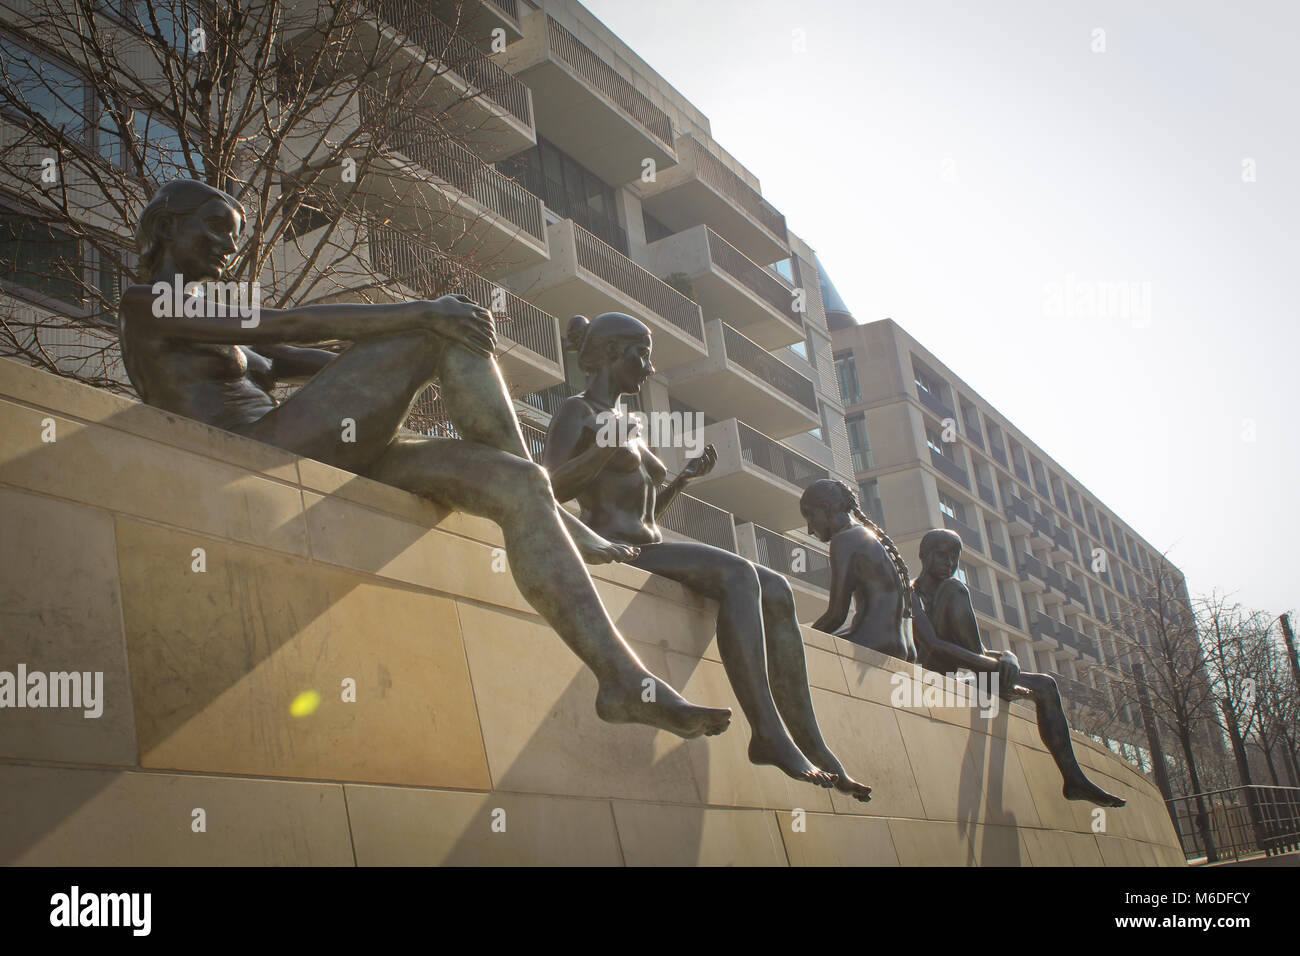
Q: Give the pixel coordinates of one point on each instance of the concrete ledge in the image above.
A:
(349, 681)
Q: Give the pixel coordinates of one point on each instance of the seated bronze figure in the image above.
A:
(220, 368)
(866, 570)
(948, 638)
(622, 488)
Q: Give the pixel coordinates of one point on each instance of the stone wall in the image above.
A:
(466, 705)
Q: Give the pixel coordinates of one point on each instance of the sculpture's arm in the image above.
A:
(570, 470)
(841, 594)
(929, 643)
(453, 316)
(289, 363)
(695, 468)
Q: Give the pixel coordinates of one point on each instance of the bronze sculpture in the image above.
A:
(622, 489)
(948, 638)
(866, 566)
(199, 366)
(866, 569)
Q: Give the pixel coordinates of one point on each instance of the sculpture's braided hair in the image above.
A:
(849, 502)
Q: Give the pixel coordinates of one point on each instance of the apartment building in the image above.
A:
(587, 184)
(1046, 562)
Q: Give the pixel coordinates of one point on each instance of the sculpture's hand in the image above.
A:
(459, 319)
(699, 467)
(1008, 672)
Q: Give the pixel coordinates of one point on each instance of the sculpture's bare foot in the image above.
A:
(785, 756)
(645, 699)
(828, 762)
(1085, 789)
(597, 550)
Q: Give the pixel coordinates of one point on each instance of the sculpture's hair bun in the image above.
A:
(576, 334)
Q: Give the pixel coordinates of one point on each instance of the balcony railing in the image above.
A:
(933, 402)
(950, 469)
(757, 449)
(427, 146)
(1042, 626)
(625, 275)
(423, 271)
(761, 363)
(714, 172)
(1014, 508)
(999, 455)
(700, 521)
(586, 63)
(970, 538)
(1021, 472)
(998, 554)
(785, 555)
(1029, 565)
(753, 277)
(1062, 538)
(456, 51)
(1011, 614)
(986, 493)
(982, 602)
(1054, 578)
(1042, 524)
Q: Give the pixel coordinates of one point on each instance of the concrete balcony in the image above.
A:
(587, 108)
(1020, 520)
(801, 561)
(431, 186)
(756, 478)
(478, 18)
(410, 46)
(587, 277)
(1062, 543)
(936, 404)
(950, 469)
(528, 339)
(701, 189)
(1043, 630)
(729, 285)
(739, 378)
(1032, 576)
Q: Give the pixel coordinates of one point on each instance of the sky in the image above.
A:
(993, 175)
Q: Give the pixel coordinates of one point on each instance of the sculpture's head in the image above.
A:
(188, 228)
(613, 342)
(828, 505)
(940, 553)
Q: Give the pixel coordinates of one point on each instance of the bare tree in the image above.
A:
(336, 125)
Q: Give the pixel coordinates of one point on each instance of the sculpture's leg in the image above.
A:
(788, 676)
(372, 385)
(1054, 731)
(478, 404)
(733, 583)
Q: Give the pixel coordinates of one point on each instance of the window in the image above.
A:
(58, 95)
(933, 440)
(859, 442)
(801, 349)
(573, 191)
(785, 269)
(952, 508)
(41, 259)
(869, 495)
(846, 373)
(160, 144)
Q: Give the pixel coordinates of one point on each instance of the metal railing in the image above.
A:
(970, 538)
(753, 277)
(426, 273)
(1014, 507)
(999, 455)
(999, 554)
(785, 556)
(429, 147)
(458, 53)
(587, 64)
(1042, 626)
(761, 363)
(933, 402)
(509, 7)
(986, 493)
(761, 451)
(700, 521)
(950, 469)
(714, 172)
(982, 602)
(625, 275)
(1011, 614)
(1237, 822)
